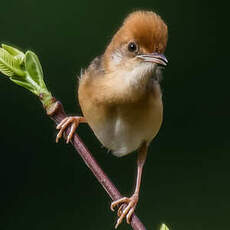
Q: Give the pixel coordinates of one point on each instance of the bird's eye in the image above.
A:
(132, 47)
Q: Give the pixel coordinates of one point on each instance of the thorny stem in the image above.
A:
(57, 114)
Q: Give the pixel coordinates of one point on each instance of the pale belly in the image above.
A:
(126, 127)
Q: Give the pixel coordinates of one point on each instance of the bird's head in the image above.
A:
(137, 47)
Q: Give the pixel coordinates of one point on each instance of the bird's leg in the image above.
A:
(73, 121)
(131, 202)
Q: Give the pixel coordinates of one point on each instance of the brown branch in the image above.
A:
(56, 113)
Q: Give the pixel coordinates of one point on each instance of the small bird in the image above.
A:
(120, 95)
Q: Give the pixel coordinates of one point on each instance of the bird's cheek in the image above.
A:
(116, 58)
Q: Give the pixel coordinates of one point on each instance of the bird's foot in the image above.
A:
(74, 122)
(125, 210)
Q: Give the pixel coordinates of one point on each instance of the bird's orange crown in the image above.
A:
(146, 28)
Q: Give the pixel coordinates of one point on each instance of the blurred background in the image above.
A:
(44, 185)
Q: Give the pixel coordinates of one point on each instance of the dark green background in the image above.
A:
(186, 178)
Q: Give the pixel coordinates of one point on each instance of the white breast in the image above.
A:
(124, 135)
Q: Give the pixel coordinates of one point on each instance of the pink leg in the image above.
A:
(133, 200)
(74, 122)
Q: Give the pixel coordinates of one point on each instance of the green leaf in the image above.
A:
(24, 84)
(14, 52)
(11, 50)
(33, 67)
(164, 227)
(25, 70)
(5, 70)
(9, 65)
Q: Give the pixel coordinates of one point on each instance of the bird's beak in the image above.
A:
(157, 58)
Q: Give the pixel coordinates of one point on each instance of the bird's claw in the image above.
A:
(73, 121)
(126, 209)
